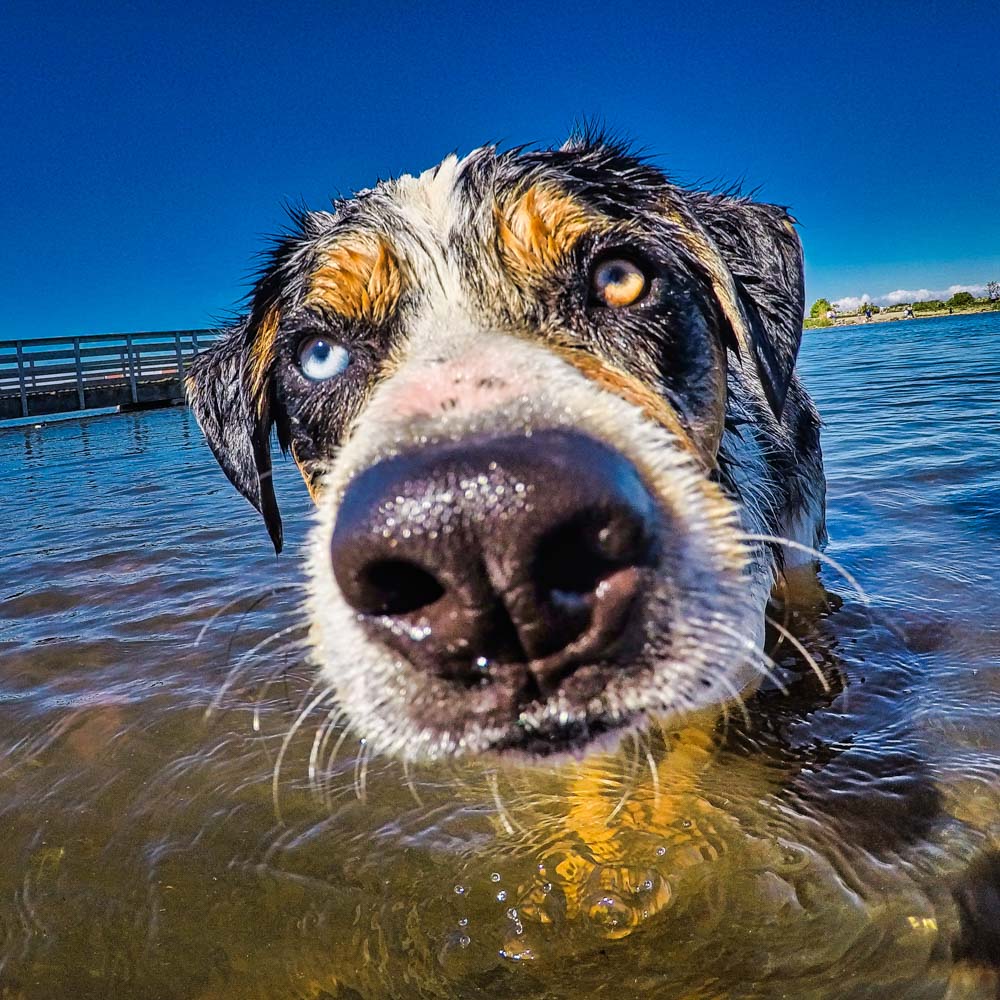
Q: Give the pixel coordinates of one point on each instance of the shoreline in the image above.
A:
(884, 317)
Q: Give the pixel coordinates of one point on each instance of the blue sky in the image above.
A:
(147, 149)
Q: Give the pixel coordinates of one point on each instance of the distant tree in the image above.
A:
(962, 300)
(929, 305)
(993, 291)
(865, 306)
(820, 308)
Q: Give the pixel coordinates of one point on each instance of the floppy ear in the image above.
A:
(237, 430)
(761, 249)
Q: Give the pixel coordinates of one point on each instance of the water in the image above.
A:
(808, 851)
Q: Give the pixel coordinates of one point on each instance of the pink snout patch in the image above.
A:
(462, 385)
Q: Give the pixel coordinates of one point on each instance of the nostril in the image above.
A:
(573, 559)
(396, 587)
(566, 561)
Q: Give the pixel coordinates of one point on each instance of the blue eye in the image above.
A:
(320, 360)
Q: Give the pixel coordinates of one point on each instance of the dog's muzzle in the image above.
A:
(507, 561)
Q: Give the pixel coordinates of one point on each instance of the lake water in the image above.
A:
(167, 832)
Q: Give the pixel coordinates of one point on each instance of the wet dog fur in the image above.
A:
(463, 300)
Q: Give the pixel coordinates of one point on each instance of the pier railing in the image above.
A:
(62, 374)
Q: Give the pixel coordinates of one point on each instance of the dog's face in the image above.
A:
(507, 383)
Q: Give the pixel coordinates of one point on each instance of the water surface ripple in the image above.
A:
(153, 849)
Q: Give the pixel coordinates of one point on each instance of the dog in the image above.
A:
(546, 404)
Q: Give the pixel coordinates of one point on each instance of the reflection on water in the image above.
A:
(809, 849)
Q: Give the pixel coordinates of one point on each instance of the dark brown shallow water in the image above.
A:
(811, 850)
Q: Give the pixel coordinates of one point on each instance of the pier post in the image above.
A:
(79, 373)
(131, 369)
(20, 379)
(180, 358)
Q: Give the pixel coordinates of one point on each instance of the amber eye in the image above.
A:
(618, 283)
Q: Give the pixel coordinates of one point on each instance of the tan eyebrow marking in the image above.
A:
(633, 390)
(358, 277)
(538, 228)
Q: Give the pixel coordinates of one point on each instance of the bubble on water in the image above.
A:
(660, 851)
(648, 884)
(546, 887)
(495, 877)
(516, 952)
(464, 922)
(512, 913)
(501, 895)
(464, 941)
(459, 890)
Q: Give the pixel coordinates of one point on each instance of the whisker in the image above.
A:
(279, 671)
(319, 741)
(654, 775)
(256, 603)
(757, 658)
(628, 781)
(505, 820)
(816, 554)
(802, 649)
(408, 779)
(328, 767)
(234, 672)
(738, 698)
(785, 619)
(725, 722)
(361, 769)
(285, 743)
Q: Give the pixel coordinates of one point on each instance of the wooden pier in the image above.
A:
(66, 374)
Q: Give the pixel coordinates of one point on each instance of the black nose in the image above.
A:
(465, 557)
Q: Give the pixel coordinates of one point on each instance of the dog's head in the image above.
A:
(505, 384)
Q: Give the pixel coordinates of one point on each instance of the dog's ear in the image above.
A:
(236, 425)
(762, 252)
